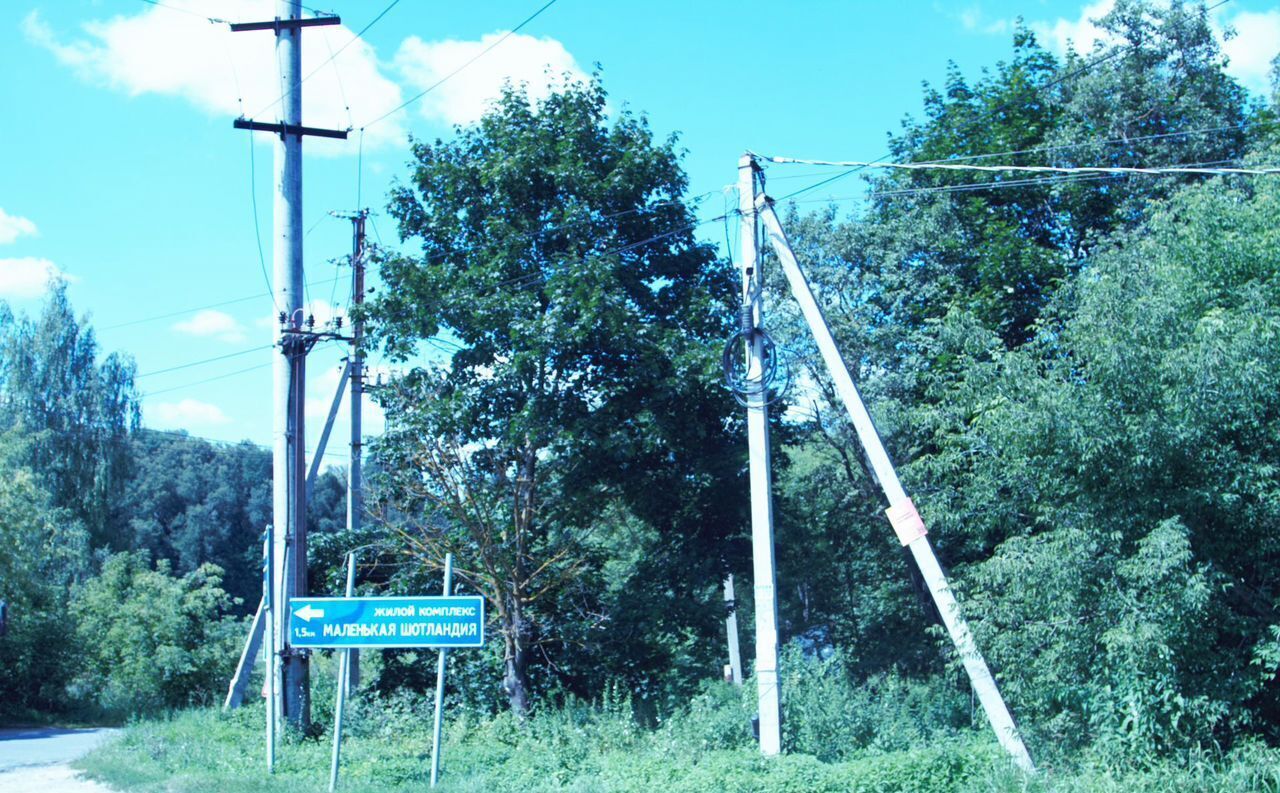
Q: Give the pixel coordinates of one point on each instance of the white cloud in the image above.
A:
(183, 414)
(28, 276)
(212, 324)
(1080, 33)
(538, 62)
(162, 51)
(1251, 50)
(13, 226)
(974, 20)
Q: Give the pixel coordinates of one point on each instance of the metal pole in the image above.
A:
(355, 371)
(763, 567)
(354, 497)
(281, 616)
(344, 664)
(731, 630)
(289, 511)
(269, 649)
(902, 513)
(435, 737)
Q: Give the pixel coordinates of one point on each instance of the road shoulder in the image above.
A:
(47, 779)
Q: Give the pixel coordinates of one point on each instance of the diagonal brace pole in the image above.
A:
(902, 513)
(318, 456)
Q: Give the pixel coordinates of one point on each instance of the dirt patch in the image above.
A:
(48, 779)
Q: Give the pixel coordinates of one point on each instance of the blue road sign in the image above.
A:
(456, 621)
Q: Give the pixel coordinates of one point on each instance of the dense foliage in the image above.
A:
(1075, 376)
(577, 447)
(1075, 373)
(128, 557)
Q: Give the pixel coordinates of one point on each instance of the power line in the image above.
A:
(220, 442)
(184, 311)
(209, 19)
(257, 229)
(204, 361)
(475, 58)
(206, 380)
(1003, 106)
(949, 166)
(1109, 142)
(332, 56)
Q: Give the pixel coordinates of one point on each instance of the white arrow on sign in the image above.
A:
(308, 611)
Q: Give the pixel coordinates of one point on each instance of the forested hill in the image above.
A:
(1075, 372)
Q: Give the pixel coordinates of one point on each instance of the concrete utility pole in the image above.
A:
(289, 374)
(902, 514)
(763, 568)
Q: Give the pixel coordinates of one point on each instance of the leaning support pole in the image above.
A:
(763, 567)
(248, 657)
(317, 457)
(439, 720)
(902, 513)
(731, 631)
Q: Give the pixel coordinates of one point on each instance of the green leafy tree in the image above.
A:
(151, 640)
(45, 552)
(76, 411)
(558, 250)
(942, 271)
(1124, 492)
(192, 502)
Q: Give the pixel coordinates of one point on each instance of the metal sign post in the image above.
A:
(435, 737)
(344, 671)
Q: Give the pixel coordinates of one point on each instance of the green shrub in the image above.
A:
(151, 640)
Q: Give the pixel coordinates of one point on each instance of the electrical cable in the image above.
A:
(253, 368)
(1001, 107)
(472, 60)
(204, 361)
(181, 312)
(210, 20)
(257, 228)
(331, 57)
(1087, 169)
(337, 75)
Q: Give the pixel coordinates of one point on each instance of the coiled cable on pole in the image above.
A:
(772, 382)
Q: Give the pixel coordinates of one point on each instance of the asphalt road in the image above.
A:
(31, 746)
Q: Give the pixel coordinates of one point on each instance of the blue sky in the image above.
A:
(121, 169)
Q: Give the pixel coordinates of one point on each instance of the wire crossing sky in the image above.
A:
(130, 182)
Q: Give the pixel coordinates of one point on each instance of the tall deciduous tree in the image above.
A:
(75, 411)
(557, 248)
